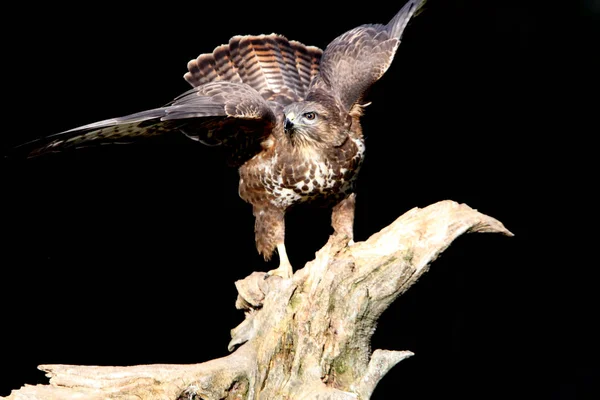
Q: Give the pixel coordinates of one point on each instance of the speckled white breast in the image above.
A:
(322, 178)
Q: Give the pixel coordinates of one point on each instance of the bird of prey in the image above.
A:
(288, 116)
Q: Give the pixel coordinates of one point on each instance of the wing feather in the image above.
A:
(354, 61)
(239, 86)
(217, 113)
(279, 69)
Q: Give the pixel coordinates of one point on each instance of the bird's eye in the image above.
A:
(310, 116)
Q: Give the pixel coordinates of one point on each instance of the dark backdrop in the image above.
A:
(127, 255)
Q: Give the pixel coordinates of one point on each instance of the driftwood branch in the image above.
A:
(303, 338)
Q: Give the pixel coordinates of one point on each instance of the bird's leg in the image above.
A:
(285, 267)
(342, 217)
(269, 229)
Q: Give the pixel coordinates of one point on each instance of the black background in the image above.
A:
(127, 255)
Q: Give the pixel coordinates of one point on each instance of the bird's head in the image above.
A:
(310, 123)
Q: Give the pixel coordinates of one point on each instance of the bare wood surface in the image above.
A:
(303, 338)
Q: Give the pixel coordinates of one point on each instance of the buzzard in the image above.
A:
(288, 116)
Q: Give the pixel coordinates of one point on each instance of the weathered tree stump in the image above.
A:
(303, 338)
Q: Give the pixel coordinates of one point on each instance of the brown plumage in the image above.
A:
(287, 114)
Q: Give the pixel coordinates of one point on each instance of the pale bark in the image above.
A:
(303, 338)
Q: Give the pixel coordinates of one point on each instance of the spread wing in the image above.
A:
(279, 69)
(216, 113)
(238, 89)
(352, 62)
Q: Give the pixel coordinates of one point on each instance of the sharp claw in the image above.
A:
(284, 271)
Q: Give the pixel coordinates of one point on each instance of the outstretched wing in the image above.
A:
(352, 62)
(216, 113)
(279, 69)
(237, 89)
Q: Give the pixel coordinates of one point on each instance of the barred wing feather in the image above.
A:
(279, 69)
(215, 113)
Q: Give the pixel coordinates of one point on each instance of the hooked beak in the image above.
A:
(288, 125)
